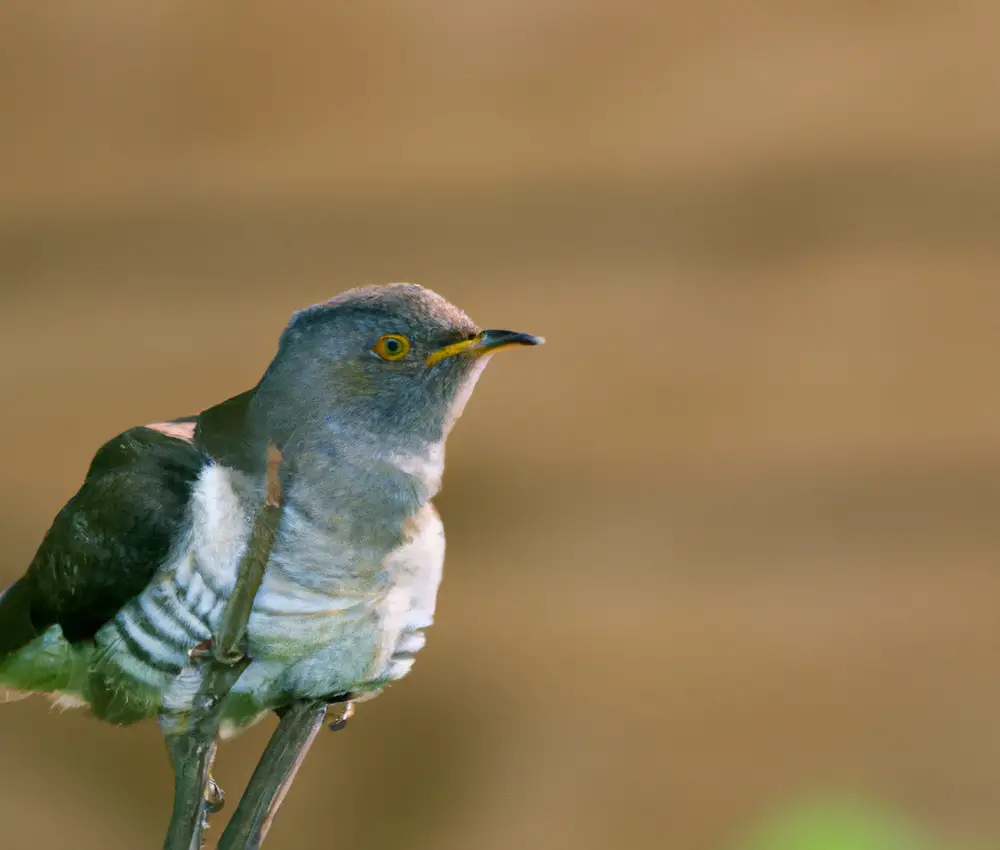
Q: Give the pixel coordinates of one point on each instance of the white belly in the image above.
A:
(335, 623)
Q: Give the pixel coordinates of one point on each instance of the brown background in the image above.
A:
(729, 539)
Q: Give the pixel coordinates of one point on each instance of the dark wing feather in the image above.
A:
(107, 542)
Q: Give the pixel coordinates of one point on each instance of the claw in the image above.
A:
(202, 650)
(209, 649)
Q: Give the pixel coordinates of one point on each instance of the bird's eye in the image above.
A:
(392, 347)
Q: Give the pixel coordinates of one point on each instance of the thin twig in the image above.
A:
(299, 724)
(192, 752)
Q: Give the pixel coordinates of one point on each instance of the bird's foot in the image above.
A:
(342, 710)
(210, 649)
(202, 650)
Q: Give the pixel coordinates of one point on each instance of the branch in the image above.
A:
(299, 725)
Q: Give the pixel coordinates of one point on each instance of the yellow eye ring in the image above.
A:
(392, 347)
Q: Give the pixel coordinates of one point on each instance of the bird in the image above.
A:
(344, 437)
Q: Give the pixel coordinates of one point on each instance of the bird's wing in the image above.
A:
(105, 545)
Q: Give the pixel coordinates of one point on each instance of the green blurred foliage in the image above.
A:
(838, 825)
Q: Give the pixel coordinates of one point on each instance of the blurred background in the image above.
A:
(725, 548)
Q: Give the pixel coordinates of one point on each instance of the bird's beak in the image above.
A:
(485, 342)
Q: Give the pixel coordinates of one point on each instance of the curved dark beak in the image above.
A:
(485, 342)
(493, 339)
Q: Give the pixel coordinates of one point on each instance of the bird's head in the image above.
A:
(387, 367)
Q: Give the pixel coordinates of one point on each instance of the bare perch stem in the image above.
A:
(192, 759)
(300, 722)
(192, 750)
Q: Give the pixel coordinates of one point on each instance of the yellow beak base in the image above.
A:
(485, 342)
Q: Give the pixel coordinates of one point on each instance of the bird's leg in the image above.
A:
(299, 724)
(192, 750)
